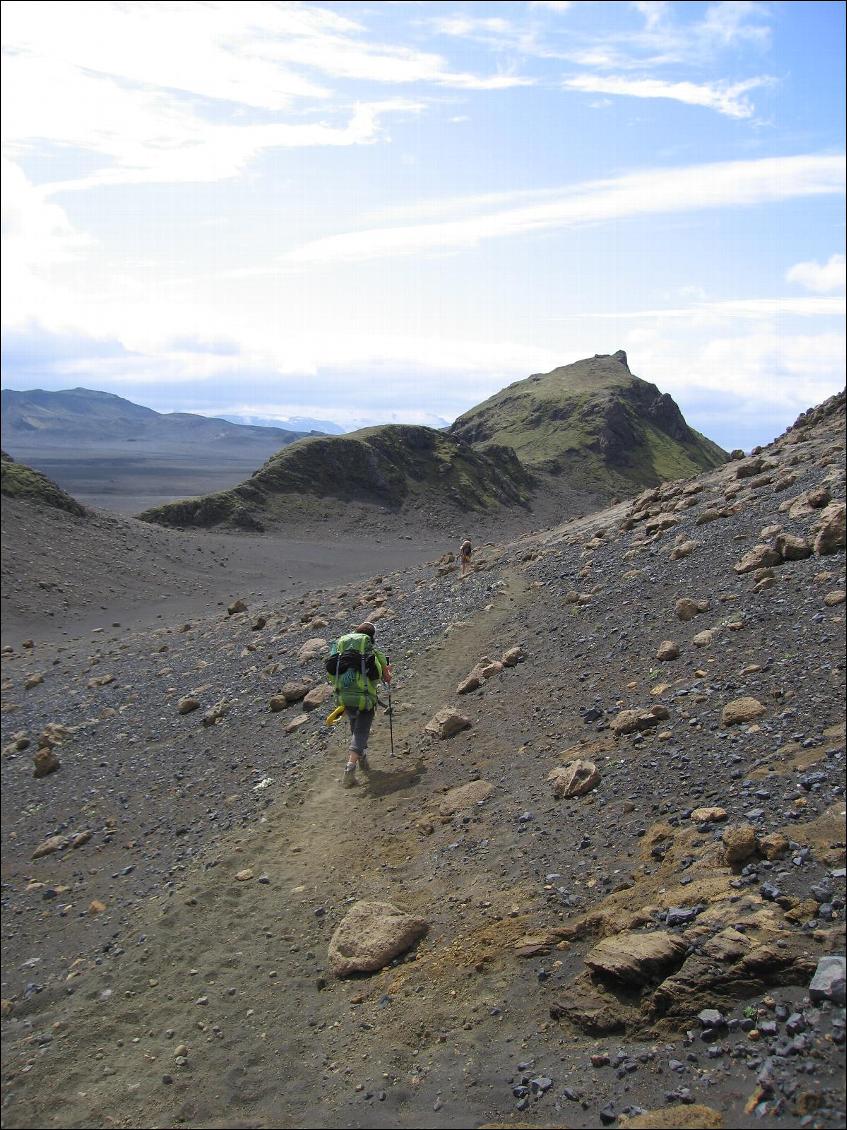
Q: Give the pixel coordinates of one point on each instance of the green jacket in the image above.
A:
(353, 689)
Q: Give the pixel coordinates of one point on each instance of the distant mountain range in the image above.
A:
(82, 418)
(294, 423)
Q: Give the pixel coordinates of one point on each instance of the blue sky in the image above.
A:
(386, 212)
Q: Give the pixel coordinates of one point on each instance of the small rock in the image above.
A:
(45, 762)
(741, 710)
(686, 608)
(667, 649)
(575, 779)
(446, 723)
(828, 982)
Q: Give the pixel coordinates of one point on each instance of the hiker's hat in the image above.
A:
(367, 629)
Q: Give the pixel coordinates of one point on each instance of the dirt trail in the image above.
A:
(233, 968)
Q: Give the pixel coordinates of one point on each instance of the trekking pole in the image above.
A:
(390, 714)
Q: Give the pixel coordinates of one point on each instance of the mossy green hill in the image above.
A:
(392, 468)
(20, 481)
(552, 445)
(593, 426)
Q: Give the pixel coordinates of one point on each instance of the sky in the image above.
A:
(374, 213)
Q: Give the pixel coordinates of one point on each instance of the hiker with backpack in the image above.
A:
(354, 668)
(464, 557)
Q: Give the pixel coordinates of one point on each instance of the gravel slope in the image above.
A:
(166, 964)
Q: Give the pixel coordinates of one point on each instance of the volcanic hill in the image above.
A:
(356, 479)
(553, 445)
(592, 425)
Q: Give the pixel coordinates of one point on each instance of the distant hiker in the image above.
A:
(354, 668)
(464, 557)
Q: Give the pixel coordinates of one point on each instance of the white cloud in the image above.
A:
(820, 277)
(722, 185)
(735, 308)
(726, 98)
(552, 5)
(190, 92)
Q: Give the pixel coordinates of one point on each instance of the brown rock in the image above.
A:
(295, 692)
(244, 875)
(742, 710)
(215, 712)
(32, 681)
(739, 843)
(704, 638)
(686, 608)
(684, 549)
(629, 721)
(575, 779)
(186, 705)
(317, 695)
(774, 845)
(836, 597)
(758, 557)
(464, 797)
(471, 683)
(708, 814)
(447, 722)
(636, 958)
(101, 681)
(792, 548)
(296, 723)
(513, 656)
(668, 649)
(312, 649)
(236, 607)
(370, 936)
(811, 500)
(830, 529)
(45, 762)
(49, 846)
(278, 702)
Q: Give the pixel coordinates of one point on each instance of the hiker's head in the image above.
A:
(367, 629)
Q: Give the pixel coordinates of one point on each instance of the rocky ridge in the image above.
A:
(625, 866)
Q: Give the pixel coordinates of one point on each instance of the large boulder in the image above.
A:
(370, 936)
(446, 723)
(576, 779)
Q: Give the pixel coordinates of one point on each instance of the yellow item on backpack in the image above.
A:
(336, 715)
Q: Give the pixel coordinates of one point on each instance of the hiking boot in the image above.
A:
(364, 764)
(348, 781)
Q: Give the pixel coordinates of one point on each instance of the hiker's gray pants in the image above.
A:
(360, 727)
